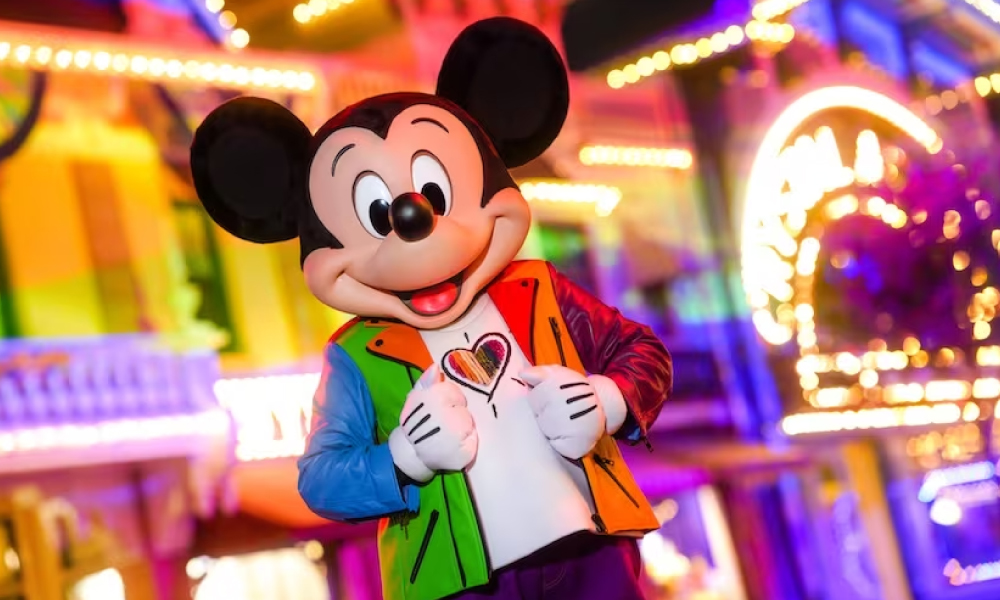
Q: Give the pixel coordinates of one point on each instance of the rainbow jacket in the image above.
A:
(430, 544)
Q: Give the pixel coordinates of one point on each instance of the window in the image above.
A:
(109, 249)
(204, 268)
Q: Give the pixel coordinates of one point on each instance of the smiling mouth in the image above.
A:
(434, 300)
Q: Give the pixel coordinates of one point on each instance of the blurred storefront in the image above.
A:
(843, 152)
(123, 296)
(866, 220)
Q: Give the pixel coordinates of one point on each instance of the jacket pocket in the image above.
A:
(605, 465)
(431, 524)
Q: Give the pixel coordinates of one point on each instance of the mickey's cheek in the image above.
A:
(323, 267)
(508, 204)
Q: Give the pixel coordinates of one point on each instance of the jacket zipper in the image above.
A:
(596, 518)
(606, 464)
(451, 530)
(559, 343)
(423, 546)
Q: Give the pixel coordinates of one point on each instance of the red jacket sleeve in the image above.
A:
(624, 351)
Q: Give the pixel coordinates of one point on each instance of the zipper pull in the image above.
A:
(645, 440)
(601, 528)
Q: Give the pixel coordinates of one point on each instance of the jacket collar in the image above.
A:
(514, 298)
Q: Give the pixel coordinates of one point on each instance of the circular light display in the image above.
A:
(867, 255)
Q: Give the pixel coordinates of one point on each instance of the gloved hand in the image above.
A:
(436, 431)
(573, 411)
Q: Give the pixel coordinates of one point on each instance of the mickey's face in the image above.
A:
(402, 203)
(419, 238)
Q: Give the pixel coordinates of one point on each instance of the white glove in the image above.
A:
(436, 431)
(572, 410)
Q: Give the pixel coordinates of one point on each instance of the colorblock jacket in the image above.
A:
(430, 544)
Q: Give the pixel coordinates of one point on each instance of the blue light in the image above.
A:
(941, 69)
(939, 479)
(877, 36)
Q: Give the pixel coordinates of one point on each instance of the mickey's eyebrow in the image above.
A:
(333, 169)
(431, 121)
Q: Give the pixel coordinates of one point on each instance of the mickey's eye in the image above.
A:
(371, 202)
(431, 180)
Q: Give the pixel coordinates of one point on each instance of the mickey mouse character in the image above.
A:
(473, 405)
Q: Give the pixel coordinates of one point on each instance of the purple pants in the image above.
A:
(581, 567)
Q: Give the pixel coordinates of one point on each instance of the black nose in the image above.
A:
(412, 217)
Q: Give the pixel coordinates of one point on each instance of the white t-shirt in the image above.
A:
(527, 494)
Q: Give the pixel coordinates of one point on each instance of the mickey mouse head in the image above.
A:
(402, 203)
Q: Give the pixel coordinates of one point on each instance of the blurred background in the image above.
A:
(798, 196)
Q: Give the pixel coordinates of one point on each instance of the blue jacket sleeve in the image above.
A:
(343, 474)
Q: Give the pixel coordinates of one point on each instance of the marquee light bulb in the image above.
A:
(671, 158)
(604, 198)
(160, 68)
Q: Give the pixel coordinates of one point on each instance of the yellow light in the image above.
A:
(631, 73)
(645, 66)
(871, 418)
(102, 60)
(43, 55)
(661, 61)
(734, 35)
(869, 166)
(317, 7)
(82, 59)
(301, 13)
(671, 158)
(604, 198)
(616, 79)
(214, 6)
(988, 356)
(306, 12)
(983, 86)
(227, 19)
(239, 38)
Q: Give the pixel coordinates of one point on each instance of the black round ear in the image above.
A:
(248, 162)
(510, 78)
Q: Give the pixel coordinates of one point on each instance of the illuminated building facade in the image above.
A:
(846, 159)
(101, 110)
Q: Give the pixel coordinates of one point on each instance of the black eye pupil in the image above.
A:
(378, 212)
(435, 196)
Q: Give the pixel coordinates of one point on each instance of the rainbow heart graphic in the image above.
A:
(480, 367)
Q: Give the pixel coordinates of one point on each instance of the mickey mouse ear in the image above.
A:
(248, 162)
(510, 78)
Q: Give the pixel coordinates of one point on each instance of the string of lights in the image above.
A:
(604, 198)
(626, 156)
(64, 54)
(307, 12)
(238, 37)
(760, 29)
(690, 53)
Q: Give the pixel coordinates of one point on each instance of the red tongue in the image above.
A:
(435, 300)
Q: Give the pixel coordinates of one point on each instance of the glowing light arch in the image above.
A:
(765, 179)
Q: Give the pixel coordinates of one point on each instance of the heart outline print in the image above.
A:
(480, 367)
